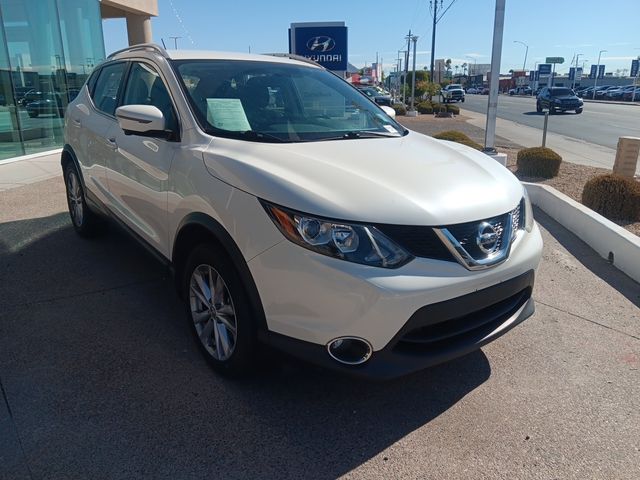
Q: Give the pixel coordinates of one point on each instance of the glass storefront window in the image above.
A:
(47, 50)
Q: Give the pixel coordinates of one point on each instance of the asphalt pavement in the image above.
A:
(100, 378)
(599, 123)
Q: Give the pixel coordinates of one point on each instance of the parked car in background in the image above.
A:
(452, 93)
(558, 99)
(484, 91)
(520, 91)
(629, 95)
(49, 103)
(584, 92)
(473, 90)
(618, 93)
(375, 96)
(601, 91)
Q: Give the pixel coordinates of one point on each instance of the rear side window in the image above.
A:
(105, 92)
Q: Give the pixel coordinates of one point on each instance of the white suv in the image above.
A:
(295, 212)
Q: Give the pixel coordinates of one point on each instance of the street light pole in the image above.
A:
(412, 111)
(595, 80)
(175, 42)
(524, 65)
(496, 54)
(575, 72)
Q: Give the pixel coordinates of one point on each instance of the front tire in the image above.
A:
(578, 110)
(85, 222)
(538, 107)
(219, 310)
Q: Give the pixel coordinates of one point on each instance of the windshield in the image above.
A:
(559, 92)
(454, 86)
(268, 101)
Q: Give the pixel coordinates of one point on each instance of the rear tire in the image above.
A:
(219, 311)
(85, 222)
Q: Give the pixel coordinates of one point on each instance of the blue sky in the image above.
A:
(464, 34)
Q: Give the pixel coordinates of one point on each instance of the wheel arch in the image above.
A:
(198, 228)
(67, 156)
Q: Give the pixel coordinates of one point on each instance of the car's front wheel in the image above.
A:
(538, 107)
(578, 110)
(219, 311)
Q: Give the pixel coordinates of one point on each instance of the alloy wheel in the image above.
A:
(212, 312)
(74, 196)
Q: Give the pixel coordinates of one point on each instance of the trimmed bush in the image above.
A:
(400, 109)
(613, 196)
(424, 107)
(538, 162)
(453, 109)
(458, 137)
(439, 106)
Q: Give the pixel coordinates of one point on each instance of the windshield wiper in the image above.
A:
(261, 136)
(355, 134)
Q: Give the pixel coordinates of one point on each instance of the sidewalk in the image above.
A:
(29, 170)
(571, 149)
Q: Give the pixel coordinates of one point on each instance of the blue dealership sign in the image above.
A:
(601, 71)
(592, 73)
(532, 75)
(326, 45)
(544, 69)
(635, 64)
(572, 73)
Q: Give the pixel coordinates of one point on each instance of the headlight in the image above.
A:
(363, 244)
(528, 211)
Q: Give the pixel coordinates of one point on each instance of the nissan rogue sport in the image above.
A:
(295, 212)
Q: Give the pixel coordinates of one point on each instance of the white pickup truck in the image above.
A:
(452, 92)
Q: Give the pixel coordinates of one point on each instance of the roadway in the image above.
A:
(599, 123)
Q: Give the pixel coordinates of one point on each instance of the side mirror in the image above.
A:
(389, 111)
(145, 120)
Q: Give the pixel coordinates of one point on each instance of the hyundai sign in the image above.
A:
(634, 67)
(544, 69)
(324, 43)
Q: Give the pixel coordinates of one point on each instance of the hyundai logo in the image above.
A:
(487, 238)
(321, 44)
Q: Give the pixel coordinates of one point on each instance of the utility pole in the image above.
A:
(406, 64)
(595, 80)
(524, 65)
(175, 42)
(433, 36)
(412, 112)
(575, 72)
(496, 55)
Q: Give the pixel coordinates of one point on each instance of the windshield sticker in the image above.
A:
(227, 114)
(389, 128)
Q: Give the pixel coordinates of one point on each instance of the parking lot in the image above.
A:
(101, 378)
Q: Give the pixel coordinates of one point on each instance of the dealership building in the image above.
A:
(47, 50)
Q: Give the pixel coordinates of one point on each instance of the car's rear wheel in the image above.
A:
(219, 311)
(85, 222)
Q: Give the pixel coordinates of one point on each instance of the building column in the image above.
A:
(138, 29)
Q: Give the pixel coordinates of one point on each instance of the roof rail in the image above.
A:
(142, 46)
(293, 56)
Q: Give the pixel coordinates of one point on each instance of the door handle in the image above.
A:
(112, 143)
(77, 123)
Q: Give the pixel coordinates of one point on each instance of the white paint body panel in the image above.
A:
(153, 185)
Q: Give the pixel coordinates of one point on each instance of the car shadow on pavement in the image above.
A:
(104, 380)
(590, 259)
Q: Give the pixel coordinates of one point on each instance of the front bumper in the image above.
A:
(434, 333)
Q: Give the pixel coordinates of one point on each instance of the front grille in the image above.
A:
(422, 241)
(417, 240)
(442, 332)
(466, 234)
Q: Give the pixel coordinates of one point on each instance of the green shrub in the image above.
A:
(613, 196)
(458, 137)
(437, 107)
(424, 107)
(538, 162)
(453, 109)
(400, 109)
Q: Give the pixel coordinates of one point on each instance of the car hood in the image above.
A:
(412, 180)
(565, 97)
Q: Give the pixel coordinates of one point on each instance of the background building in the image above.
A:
(47, 50)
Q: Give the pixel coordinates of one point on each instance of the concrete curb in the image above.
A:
(611, 241)
(610, 102)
